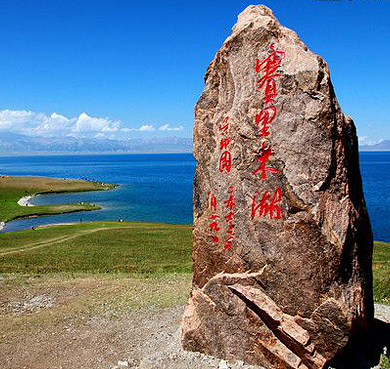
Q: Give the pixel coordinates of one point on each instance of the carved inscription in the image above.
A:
(267, 73)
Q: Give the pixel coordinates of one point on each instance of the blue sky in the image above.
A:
(108, 65)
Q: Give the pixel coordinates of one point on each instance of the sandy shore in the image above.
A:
(24, 201)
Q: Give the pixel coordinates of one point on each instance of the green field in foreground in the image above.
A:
(137, 249)
(13, 188)
(134, 248)
(381, 271)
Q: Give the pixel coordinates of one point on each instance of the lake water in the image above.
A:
(153, 188)
(158, 187)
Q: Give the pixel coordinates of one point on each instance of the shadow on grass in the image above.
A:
(366, 350)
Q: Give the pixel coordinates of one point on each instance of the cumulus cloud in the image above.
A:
(56, 125)
(146, 128)
(167, 128)
(87, 124)
(19, 120)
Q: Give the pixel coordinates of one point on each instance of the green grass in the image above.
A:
(381, 272)
(385, 362)
(133, 248)
(12, 188)
(136, 249)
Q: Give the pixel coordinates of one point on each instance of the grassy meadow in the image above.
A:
(13, 188)
(133, 248)
(381, 271)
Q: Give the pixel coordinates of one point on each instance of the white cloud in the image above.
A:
(146, 128)
(56, 125)
(85, 123)
(166, 127)
(19, 120)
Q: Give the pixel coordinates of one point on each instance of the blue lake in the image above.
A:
(153, 188)
(158, 187)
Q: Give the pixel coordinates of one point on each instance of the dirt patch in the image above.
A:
(100, 322)
(33, 304)
(96, 322)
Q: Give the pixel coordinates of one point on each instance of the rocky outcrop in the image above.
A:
(282, 243)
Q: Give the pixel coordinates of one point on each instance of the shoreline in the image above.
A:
(18, 203)
(3, 225)
(24, 201)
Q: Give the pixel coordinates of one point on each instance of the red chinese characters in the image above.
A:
(265, 207)
(229, 206)
(266, 153)
(227, 216)
(222, 216)
(265, 118)
(225, 160)
(213, 225)
(268, 71)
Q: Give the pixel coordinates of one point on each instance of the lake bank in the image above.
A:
(152, 188)
(16, 191)
(158, 188)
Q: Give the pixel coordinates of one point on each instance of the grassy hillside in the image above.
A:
(138, 249)
(134, 248)
(13, 188)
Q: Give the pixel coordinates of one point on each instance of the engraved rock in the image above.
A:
(282, 243)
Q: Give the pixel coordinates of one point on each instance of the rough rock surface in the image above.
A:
(282, 243)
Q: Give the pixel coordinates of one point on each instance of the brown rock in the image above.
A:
(282, 241)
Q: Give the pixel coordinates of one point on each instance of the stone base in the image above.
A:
(232, 317)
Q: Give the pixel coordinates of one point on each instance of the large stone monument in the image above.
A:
(282, 243)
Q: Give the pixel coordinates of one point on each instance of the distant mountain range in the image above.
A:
(382, 146)
(11, 143)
